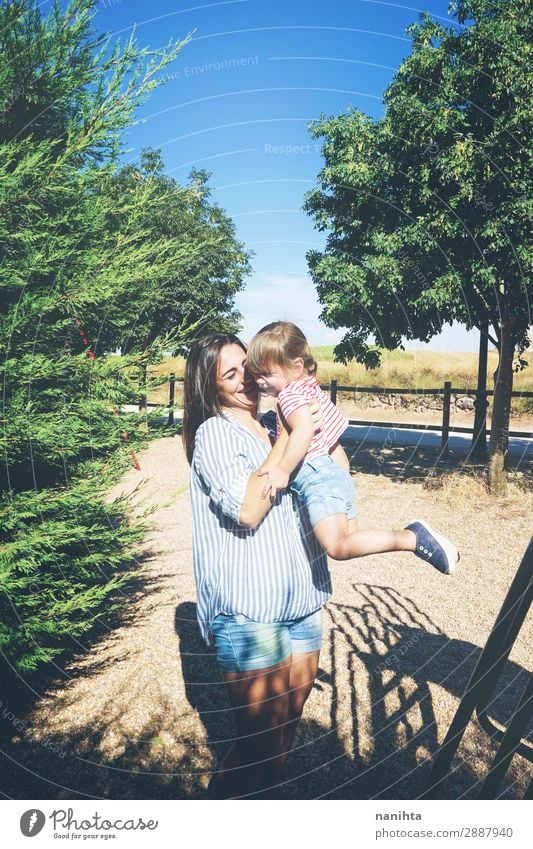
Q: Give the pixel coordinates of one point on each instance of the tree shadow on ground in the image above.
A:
(411, 462)
(389, 683)
(386, 692)
(55, 766)
(404, 677)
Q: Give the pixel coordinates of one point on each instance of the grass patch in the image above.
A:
(470, 485)
(419, 370)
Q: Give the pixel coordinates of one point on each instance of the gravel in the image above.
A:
(140, 712)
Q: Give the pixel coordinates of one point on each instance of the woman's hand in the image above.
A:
(276, 479)
(316, 415)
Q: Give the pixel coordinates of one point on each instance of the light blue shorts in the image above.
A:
(242, 645)
(325, 489)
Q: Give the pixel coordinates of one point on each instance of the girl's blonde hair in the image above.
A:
(279, 343)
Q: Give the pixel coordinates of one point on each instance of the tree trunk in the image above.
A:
(501, 410)
(143, 408)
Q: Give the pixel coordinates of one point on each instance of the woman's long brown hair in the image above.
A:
(200, 384)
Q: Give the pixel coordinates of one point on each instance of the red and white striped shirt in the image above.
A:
(300, 392)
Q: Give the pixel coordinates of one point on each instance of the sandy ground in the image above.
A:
(140, 711)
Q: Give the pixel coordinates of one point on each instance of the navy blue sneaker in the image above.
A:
(434, 548)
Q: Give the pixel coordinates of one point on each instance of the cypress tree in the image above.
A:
(80, 256)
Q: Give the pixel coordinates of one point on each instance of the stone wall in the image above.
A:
(418, 403)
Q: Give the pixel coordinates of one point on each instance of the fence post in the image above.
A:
(478, 450)
(446, 417)
(333, 391)
(171, 398)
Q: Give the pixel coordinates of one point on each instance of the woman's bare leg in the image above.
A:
(267, 706)
(260, 701)
(304, 668)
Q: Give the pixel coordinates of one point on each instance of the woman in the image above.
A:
(261, 577)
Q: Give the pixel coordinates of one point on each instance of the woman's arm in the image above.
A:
(255, 506)
(226, 472)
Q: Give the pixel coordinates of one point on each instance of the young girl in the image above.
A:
(280, 360)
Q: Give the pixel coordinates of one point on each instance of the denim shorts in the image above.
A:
(325, 488)
(242, 644)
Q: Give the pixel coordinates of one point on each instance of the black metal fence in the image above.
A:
(481, 401)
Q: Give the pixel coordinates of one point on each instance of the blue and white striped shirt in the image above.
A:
(271, 573)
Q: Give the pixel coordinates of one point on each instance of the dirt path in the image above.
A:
(132, 716)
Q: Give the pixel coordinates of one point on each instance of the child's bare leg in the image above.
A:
(342, 541)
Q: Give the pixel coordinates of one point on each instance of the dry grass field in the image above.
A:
(400, 369)
(403, 369)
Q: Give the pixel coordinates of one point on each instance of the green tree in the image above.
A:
(428, 208)
(208, 264)
(192, 292)
(81, 253)
(69, 247)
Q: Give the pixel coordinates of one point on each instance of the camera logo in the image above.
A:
(32, 822)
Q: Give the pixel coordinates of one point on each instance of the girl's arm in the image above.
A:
(279, 470)
(285, 450)
(300, 438)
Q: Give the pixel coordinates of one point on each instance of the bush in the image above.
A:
(62, 565)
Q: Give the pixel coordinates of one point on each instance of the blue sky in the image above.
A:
(241, 96)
